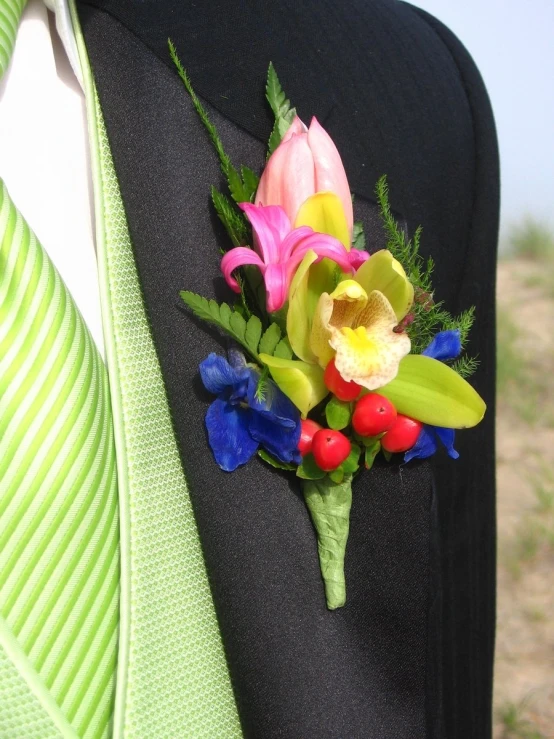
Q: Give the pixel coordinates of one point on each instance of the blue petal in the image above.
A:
(446, 437)
(279, 440)
(217, 374)
(425, 446)
(236, 358)
(446, 345)
(275, 405)
(228, 434)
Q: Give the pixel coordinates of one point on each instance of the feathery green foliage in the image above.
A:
(246, 331)
(233, 221)
(280, 105)
(429, 317)
(242, 188)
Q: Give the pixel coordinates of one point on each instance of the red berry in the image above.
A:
(402, 436)
(373, 415)
(343, 390)
(330, 448)
(308, 429)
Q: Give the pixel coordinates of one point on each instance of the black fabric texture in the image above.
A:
(401, 96)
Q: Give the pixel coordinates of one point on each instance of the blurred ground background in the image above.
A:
(524, 672)
(511, 43)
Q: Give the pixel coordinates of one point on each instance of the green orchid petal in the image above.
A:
(384, 273)
(431, 392)
(301, 382)
(302, 303)
(325, 214)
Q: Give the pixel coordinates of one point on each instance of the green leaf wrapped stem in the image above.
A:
(329, 504)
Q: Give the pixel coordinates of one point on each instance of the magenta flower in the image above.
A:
(280, 249)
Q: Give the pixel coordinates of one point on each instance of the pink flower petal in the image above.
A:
(238, 257)
(293, 239)
(271, 226)
(289, 177)
(357, 257)
(329, 169)
(295, 127)
(276, 286)
(324, 246)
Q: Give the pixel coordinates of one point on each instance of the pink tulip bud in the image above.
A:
(305, 162)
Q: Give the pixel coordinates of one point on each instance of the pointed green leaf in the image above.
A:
(338, 413)
(253, 333)
(309, 470)
(283, 349)
(431, 392)
(358, 236)
(225, 315)
(301, 382)
(270, 339)
(337, 475)
(238, 326)
(352, 462)
(329, 505)
(250, 180)
(371, 451)
(275, 462)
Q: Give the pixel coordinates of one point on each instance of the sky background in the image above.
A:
(512, 42)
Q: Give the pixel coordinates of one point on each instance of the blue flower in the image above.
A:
(238, 423)
(445, 346)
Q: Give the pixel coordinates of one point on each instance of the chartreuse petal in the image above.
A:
(385, 273)
(302, 304)
(325, 214)
(300, 381)
(431, 392)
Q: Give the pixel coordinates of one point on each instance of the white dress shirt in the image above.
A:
(44, 157)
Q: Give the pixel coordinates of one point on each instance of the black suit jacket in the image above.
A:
(411, 653)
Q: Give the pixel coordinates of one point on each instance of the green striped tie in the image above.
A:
(60, 588)
(59, 535)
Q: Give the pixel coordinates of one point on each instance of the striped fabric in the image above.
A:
(10, 13)
(59, 534)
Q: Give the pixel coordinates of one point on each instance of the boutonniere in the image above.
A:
(336, 356)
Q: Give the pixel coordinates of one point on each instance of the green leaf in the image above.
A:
(275, 462)
(371, 451)
(309, 470)
(352, 462)
(386, 454)
(238, 327)
(280, 106)
(275, 95)
(225, 316)
(358, 236)
(251, 182)
(283, 349)
(261, 387)
(222, 316)
(431, 392)
(270, 339)
(337, 475)
(338, 413)
(234, 222)
(253, 333)
(236, 186)
(329, 505)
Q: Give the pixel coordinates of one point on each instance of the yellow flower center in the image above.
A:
(358, 340)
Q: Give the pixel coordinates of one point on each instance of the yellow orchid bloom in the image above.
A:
(357, 329)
